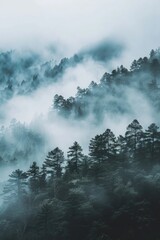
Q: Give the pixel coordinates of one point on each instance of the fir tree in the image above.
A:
(75, 157)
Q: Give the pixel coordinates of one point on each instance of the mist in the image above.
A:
(103, 52)
(73, 25)
(34, 109)
(79, 119)
(31, 113)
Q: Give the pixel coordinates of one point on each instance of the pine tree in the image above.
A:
(54, 161)
(59, 103)
(134, 66)
(121, 150)
(33, 174)
(152, 54)
(42, 177)
(75, 157)
(16, 186)
(97, 149)
(109, 140)
(155, 70)
(152, 140)
(102, 147)
(133, 135)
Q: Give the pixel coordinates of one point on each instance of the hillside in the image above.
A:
(111, 94)
(105, 186)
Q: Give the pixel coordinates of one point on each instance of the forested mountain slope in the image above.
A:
(115, 185)
(118, 93)
(21, 75)
(112, 93)
(110, 194)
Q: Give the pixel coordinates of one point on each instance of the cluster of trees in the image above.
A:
(111, 194)
(22, 74)
(109, 94)
(16, 73)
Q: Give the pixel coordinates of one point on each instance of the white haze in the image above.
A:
(33, 109)
(26, 108)
(58, 132)
(73, 24)
(65, 27)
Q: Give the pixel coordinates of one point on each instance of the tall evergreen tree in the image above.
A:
(133, 135)
(75, 157)
(42, 177)
(102, 147)
(97, 149)
(152, 140)
(54, 161)
(33, 174)
(109, 140)
(16, 185)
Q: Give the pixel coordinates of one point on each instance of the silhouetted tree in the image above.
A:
(16, 185)
(133, 135)
(109, 140)
(75, 157)
(97, 149)
(152, 141)
(33, 174)
(54, 161)
(43, 177)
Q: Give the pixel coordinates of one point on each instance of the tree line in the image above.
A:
(110, 194)
(143, 76)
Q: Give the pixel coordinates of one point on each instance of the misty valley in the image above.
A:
(79, 160)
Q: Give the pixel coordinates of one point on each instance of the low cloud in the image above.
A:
(104, 51)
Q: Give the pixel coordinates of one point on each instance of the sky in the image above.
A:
(72, 25)
(62, 28)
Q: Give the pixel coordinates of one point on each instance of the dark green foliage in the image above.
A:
(152, 141)
(103, 147)
(74, 158)
(113, 194)
(110, 95)
(33, 174)
(16, 185)
(97, 148)
(133, 135)
(42, 177)
(53, 162)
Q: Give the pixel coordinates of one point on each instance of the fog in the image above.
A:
(61, 81)
(106, 33)
(34, 109)
(73, 25)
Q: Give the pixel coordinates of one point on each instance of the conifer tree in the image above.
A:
(97, 149)
(133, 135)
(54, 161)
(42, 177)
(152, 140)
(33, 174)
(16, 185)
(75, 157)
(109, 140)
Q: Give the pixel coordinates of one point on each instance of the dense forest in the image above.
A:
(21, 75)
(109, 193)
(112, 193)
(111, 94)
